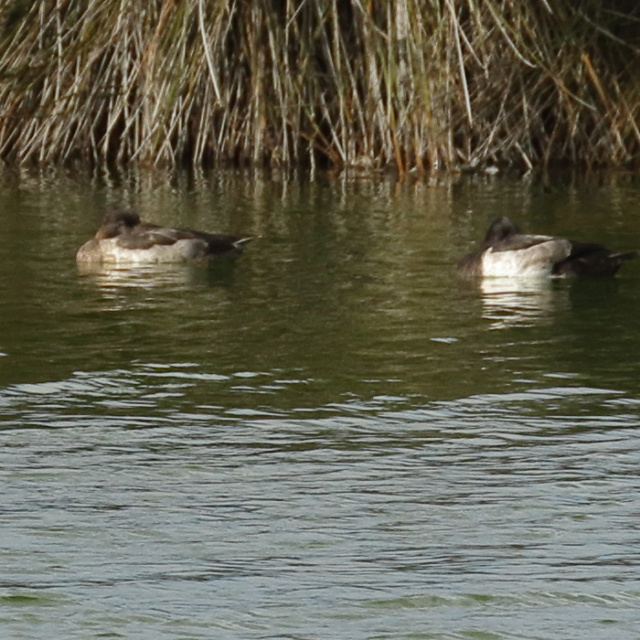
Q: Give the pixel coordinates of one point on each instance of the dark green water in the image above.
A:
(332, 438)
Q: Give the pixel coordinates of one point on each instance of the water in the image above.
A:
(332, 438)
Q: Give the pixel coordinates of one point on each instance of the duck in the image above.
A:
(124, 238)
(507, 252)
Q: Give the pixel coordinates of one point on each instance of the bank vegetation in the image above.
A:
(416, 85)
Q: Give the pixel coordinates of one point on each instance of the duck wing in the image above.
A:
(519, 241)
(146, 236)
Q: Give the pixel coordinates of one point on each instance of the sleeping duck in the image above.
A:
(506, 251)
(123, 238)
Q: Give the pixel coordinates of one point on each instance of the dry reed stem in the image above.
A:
(413, 84)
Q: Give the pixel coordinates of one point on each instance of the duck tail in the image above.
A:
(240, 242)
(628, 255)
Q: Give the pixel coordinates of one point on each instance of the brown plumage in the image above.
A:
(124, 238)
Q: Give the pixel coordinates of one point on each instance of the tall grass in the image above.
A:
(414, 84)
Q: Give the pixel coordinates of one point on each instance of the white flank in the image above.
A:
(532, 262)
(109, 250)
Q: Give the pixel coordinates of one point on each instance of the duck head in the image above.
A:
(499, 230)
(116, 223)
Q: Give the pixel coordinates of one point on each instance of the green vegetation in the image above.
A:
(413, 84)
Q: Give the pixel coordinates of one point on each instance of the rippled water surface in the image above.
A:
(332, 438)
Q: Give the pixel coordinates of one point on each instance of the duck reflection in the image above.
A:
(132, 286)
(509, 302)
(140, 276)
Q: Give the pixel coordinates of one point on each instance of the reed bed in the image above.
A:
(412, 84)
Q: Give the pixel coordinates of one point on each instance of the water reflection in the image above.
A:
(324, 435)
(509, 302)
(115, 280)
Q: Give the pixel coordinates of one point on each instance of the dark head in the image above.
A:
(116, 222)
(499, 230)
